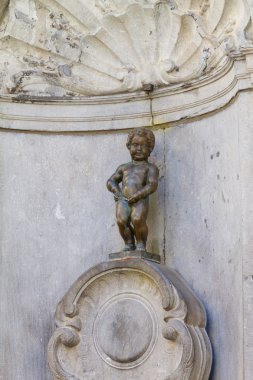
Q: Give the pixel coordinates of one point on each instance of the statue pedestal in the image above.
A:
(130, 319)
(125, 255)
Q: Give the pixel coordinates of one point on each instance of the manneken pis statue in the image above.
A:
(139, 179)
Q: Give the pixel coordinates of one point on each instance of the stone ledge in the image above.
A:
(121, 112)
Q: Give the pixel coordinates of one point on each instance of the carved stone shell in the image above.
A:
(83, 47)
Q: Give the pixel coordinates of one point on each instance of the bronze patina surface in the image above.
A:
(138, 179)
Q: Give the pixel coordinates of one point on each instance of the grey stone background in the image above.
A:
(57, 220)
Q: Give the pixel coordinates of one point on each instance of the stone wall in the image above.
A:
(58, 220)
(63, 130)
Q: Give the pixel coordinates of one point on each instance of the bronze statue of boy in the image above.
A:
(139, 179)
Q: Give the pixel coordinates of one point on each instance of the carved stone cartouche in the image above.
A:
(130, 320)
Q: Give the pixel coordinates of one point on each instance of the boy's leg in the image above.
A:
(123, 212)
(139, 216)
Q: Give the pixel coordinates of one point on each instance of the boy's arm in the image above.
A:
(113, 182)
(150, 187)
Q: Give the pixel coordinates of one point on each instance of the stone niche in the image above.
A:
(130, 319)
(198, 54)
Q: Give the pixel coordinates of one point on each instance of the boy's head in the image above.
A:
(141, 135)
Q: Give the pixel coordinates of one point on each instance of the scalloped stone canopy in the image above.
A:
(101, 47)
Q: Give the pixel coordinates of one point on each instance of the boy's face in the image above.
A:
(139, 148)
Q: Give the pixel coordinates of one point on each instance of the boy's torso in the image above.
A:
(134, 177)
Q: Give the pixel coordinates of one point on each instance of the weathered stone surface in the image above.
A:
(49, 180)
(125, 331)
(246, 140)
(130, 320)
(49, 186)
(103, 47)
(208, 228)
(48, 183)
(124, 111)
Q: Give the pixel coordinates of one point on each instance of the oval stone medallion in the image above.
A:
(125, 331)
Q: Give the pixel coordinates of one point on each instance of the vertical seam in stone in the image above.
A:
(164, 198)
(151, 111)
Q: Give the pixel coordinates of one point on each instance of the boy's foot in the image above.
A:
(140, 247)
(129, 247)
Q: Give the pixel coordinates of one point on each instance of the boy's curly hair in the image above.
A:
(142, 132)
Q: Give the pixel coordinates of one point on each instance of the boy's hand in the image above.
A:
(117, 196)
(133, 199)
